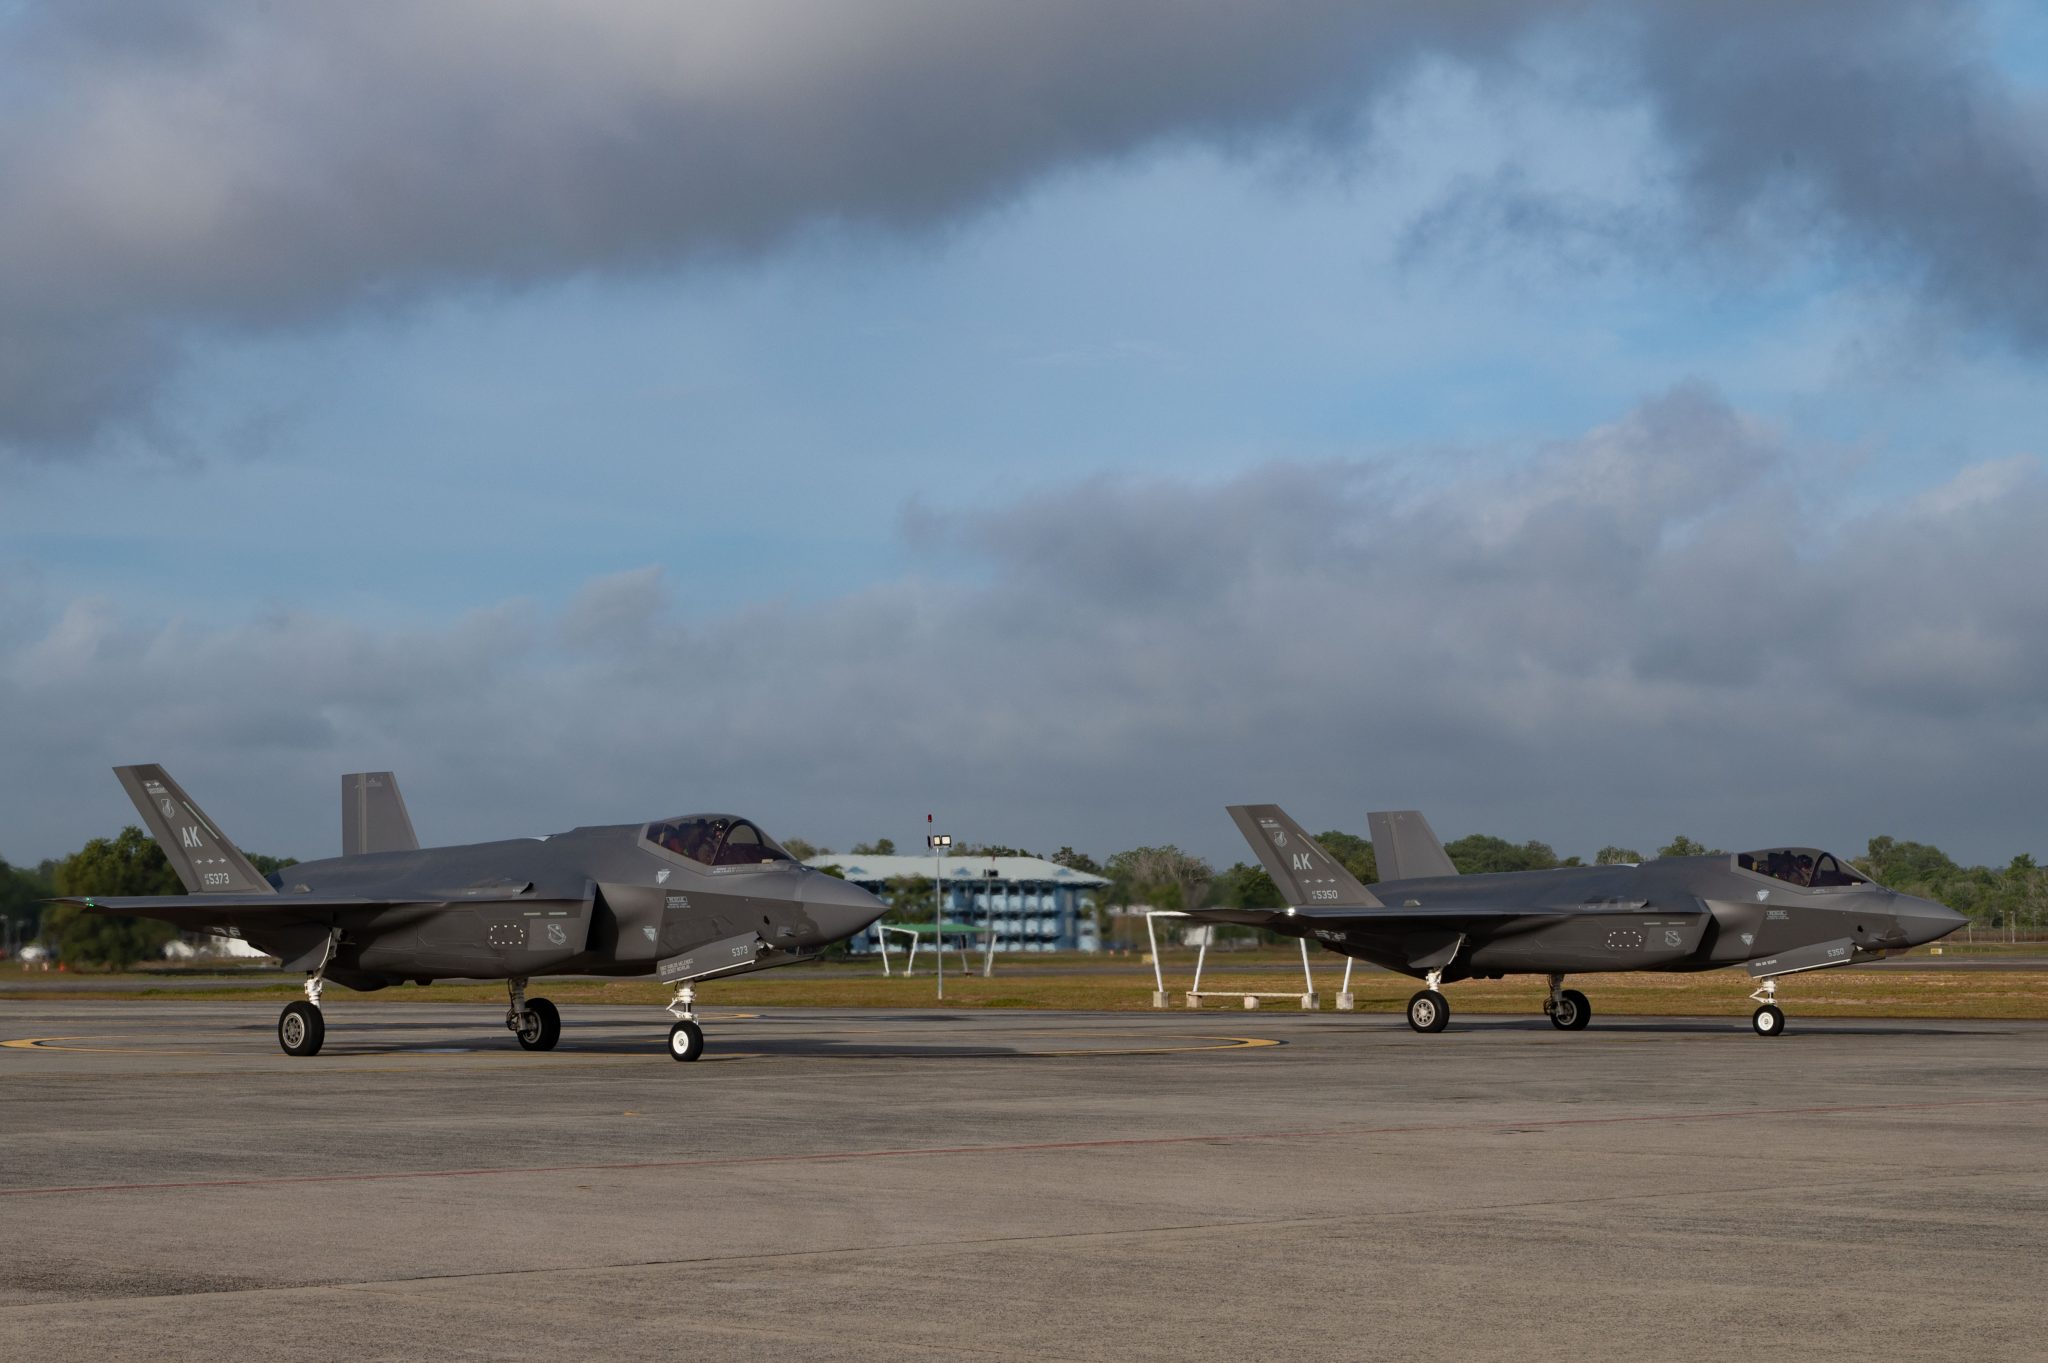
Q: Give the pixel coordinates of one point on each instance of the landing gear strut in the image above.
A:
(536, 1022)
(686, 1038)
(1567, 1009)
(1769, 1018)
(300, 1027)
(1429, 1010)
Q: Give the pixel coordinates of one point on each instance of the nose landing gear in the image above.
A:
(1769, 1018)
(686, 1038)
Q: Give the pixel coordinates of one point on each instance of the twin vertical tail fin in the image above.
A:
(1405, 847)
(373, 817)
(198, 851)
(1302, 871)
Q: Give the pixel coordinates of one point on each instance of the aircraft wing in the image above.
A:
(206, 910)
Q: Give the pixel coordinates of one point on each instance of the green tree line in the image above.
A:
(129, 863)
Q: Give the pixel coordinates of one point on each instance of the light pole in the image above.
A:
(988, 957)
(938, 842)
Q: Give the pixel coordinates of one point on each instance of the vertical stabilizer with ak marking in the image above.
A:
(198, 851)
(373, 817)
(1405, 847)
(1302, 871)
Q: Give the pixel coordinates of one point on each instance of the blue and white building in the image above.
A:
(1036, 905)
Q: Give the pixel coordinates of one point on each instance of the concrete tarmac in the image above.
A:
(1010, 1185)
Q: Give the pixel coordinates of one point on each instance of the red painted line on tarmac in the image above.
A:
(1026, 1148)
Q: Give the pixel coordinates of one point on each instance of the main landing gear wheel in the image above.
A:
(1429, 1011)
(1769, 1020)
(301, 1029)
(540, 1026)
(1572, 1012)
(685, 1041)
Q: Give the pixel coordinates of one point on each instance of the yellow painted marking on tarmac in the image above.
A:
(52, 1043)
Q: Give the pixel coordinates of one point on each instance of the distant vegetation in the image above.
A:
(130, 863)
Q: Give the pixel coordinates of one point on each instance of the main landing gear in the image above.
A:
(1769, 1018)
(300, 1027)
(686, 1038)
(536, 1022)
(1567, 1009)
(1429, 1010)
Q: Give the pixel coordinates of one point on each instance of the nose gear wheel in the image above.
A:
(1769, 1018)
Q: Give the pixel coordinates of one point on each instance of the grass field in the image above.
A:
(1125, 984)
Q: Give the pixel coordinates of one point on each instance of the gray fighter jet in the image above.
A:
(1778, 911)
(681, 899)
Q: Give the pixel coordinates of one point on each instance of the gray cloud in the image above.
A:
(1881, 125)
(248, 165)
(188, 169)
(1668, 623)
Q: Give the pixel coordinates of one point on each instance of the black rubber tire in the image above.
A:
(540, 1026)
(301, 1029)
(685, 1041)
(1429, 1011)
(1769, 1020)
(1573, 1012)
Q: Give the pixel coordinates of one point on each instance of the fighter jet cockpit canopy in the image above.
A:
(1808, 867)
(716, 840)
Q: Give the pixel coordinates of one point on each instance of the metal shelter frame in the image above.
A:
(1307, 997)
(882, 931)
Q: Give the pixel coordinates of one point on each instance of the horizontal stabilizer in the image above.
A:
(373, 817)
(198, 911)
(1302, 871)
(1391, 917)
(1405, 846)
(144, 906)
(206, 862)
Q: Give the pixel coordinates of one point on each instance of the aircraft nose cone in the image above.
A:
(838, 907)
(1924, 920)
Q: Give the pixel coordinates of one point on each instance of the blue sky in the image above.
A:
(1496, 262)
